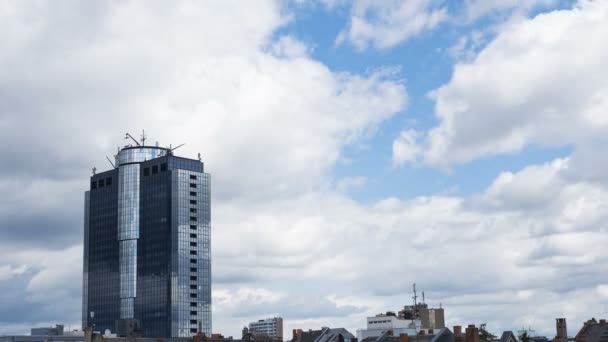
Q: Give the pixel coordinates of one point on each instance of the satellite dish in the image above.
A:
(107, 332)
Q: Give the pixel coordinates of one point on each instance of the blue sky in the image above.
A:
(424, 63)
(355, 147)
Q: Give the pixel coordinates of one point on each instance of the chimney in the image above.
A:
(471, 334)
(297, 335)
(561, 329)
(457, 330)
(404, 338)
(602, 322)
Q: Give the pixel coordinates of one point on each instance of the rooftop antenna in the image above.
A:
(415, 298)
(143, 137)
(176, 147)
(423, 297)
(94, 170)
(128, 136)
(110, 162)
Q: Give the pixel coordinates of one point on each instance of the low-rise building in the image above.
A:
(57, 330)
(269, 328)
(593, 331)
(381, 323)
(324, 335)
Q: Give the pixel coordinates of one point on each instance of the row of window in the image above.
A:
(154, 169)
(101, 183)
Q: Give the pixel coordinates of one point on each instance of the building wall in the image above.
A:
(191, 265)
(271, 327)
(101, 247)
(154, 249)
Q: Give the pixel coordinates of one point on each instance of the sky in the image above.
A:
(355, 148)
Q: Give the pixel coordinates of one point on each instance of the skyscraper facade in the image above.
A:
(147, 244)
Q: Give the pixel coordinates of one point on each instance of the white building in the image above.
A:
(270, 327)
(378, 325)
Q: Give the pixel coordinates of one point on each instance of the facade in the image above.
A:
(430, 318)
(272, 328)
(147, 261)
(381, 323)
(57, 330)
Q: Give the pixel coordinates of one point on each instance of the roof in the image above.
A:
(326, 335)
(593, 331)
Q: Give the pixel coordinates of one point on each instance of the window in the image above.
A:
(192, 269)
(192, 210)
(192, 185)
(146, 171)
(93, 184)
(192, 226)
(193, 278)
(193, 295)
(163, 167)
(192, 252)
(193, 261)
(192, 321)
(192, 218)
(192, 176)
(192, 193)
(193, 313)
(192, 287)
(192, 201)
(154, 169)
(193, 330)
(193, 304)
(193, 236)
(193, 244)
(109, 181)
(101, 183)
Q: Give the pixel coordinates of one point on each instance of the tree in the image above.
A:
(485, 335)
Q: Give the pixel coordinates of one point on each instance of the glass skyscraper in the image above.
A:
(147, 244)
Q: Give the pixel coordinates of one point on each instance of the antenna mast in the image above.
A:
(143, 137)
(415, 302)
(128, 136)
(110, 162)
(423, 298)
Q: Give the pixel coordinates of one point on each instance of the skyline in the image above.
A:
(355, 148)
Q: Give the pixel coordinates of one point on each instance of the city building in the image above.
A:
(324, 335)
(269, 328)
(147, 262)
(57, 330)
(430, 318)
(561, 330)
(441, 335)
(381, 323)
(593, 331)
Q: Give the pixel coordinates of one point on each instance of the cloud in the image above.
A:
(406, 148)
(384, 24)
(269, 120)
(519, 90)
(271, 124)
(351, 183)
(475, 9)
